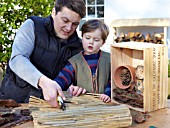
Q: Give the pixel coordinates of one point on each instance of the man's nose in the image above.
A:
(68, 26)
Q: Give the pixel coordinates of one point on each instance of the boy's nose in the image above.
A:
(91, 41)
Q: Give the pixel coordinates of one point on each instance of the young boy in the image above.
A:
(90, 69)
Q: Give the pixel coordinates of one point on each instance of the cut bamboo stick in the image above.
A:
(93, 94)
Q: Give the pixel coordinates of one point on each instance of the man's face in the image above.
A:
(65, 22)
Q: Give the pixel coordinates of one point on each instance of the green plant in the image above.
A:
(12, 14)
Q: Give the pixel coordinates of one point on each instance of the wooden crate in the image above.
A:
(154, 58)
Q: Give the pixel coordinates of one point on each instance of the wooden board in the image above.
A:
(158, 22)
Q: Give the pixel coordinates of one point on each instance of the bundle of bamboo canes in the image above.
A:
(79, 115)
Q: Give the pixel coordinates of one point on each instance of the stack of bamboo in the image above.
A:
(83, 111)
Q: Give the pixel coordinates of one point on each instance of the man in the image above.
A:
(40, 50)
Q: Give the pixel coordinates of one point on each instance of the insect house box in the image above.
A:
(139, 75)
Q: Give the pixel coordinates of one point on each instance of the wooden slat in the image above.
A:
(165, 76)
(147, 82)
(159, 77)
(156, 22)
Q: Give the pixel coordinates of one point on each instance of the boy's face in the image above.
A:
(92, 41)
(65, 22)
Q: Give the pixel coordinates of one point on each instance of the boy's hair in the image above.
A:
(77, 6)
(92, 25)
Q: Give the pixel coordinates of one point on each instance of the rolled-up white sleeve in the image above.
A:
(22, 48)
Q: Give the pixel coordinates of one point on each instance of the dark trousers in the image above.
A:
(10, 90)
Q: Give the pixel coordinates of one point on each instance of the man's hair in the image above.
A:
(77, 6)
(92, 25)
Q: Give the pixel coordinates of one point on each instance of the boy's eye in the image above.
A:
(97, 40)
(87, 37)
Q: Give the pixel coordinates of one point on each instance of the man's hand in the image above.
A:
(50, 90)
(76, 90)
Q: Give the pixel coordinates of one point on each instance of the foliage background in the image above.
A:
(12, 14)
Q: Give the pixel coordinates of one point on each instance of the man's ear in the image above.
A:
(53, 12)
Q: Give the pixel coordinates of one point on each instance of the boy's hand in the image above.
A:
(105, 98)
(76, 90)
